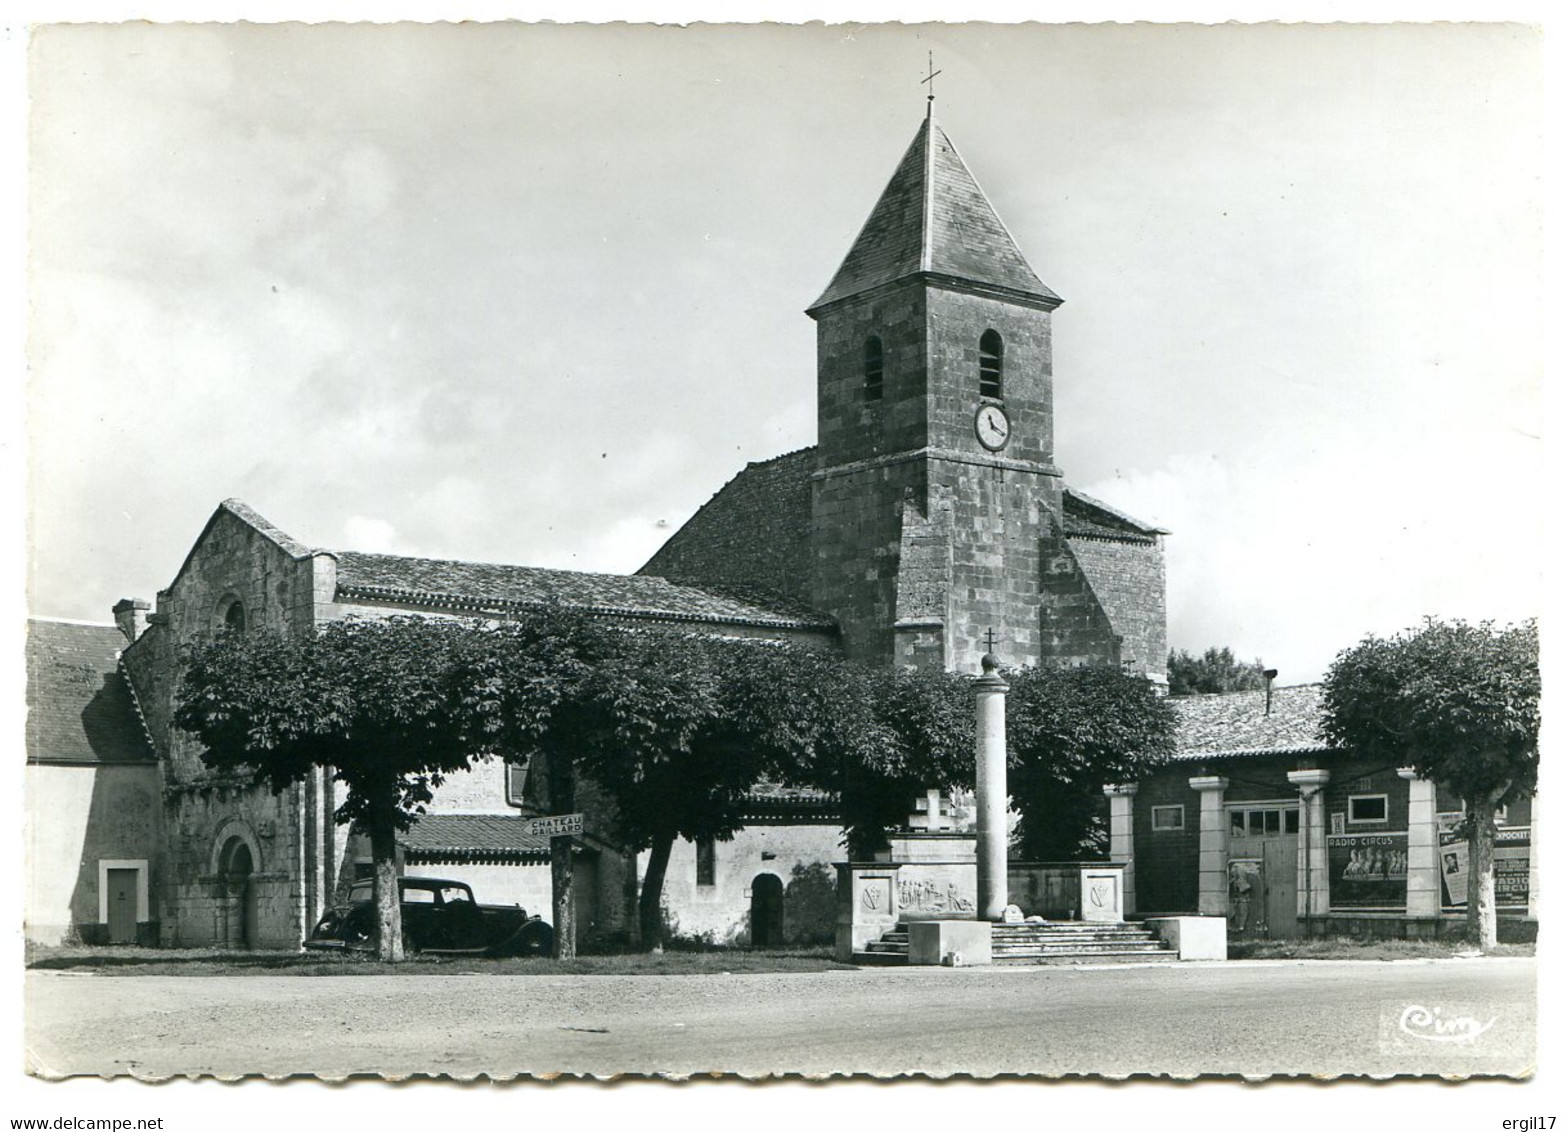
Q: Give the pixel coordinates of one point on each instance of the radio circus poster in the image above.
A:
(1368, 870)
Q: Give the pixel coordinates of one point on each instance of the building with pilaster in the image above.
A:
(1257, 819)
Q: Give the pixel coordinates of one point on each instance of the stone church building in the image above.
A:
(929, 514)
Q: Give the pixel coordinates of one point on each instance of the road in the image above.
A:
(1321, 1018)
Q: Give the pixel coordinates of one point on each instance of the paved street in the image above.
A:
(1323, 1018)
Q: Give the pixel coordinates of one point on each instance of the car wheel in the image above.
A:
(537, 938)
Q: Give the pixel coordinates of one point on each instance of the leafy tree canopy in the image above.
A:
(1459, 702)
(1071, 732)
(389, 705)
(1216, 670)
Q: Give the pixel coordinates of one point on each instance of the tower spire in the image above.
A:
(930, 97)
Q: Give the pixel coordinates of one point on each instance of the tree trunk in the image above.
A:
(388, 902)
(563, 800)
(650, 906)
(1482, 870)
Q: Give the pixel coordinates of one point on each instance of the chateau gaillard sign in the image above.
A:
(559, 825)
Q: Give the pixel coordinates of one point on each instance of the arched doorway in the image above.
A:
(766, 911)
(235, 869)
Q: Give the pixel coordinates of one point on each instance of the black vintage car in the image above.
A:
(440, 917)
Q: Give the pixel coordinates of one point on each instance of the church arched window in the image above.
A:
(990, 349)
(873, 368)
(231, 614)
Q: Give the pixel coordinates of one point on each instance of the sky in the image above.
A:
(532, 294)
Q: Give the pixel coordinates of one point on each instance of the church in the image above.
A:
(928, 525)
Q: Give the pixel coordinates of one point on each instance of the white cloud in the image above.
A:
(373, 536)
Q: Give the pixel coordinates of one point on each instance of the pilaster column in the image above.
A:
(1534, 856)
(1311, 859)
(1424, 877)
(1121, 847)
(1213, 865)
(990, 789)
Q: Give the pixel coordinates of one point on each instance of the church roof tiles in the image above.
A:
(933, 219)
(478, 586)
(754, 534)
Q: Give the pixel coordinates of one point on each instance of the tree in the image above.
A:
(390, 707)
(900, 733)
(1072, 731)
(1216, 670)
(1461, 704)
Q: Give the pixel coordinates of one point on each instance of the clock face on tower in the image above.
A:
(992, 427)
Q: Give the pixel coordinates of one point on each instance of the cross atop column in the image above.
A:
(990, 640)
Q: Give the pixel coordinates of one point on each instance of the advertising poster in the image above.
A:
(1246, 895)
(1368, 870)
(1511, 871)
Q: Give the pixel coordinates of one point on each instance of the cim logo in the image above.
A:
(1431, 1025)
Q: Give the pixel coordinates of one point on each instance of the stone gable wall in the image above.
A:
(1128, 581)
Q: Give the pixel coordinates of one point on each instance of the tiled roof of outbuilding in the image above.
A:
(933, 218)
(1236, 724)
(472, 837)
(478, 586)
(79, 704)
(754, 534)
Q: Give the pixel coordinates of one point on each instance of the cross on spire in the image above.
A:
(930, 66)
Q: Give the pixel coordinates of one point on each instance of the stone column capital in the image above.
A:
(1209, 782)
(1121, 790)
(1308, 781)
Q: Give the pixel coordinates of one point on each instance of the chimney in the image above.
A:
(130, 614)
(1267, 675)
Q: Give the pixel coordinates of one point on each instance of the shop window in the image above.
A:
(1273, 820)
(706, 863)
(1169, 817)
(1367, 809)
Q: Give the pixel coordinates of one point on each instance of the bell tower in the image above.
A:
(936, 506)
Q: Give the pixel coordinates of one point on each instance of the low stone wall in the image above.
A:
(1393, 925)
(1067, 890)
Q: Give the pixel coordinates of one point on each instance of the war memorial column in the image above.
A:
(990, 789)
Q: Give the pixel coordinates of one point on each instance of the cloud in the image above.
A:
(373, 536)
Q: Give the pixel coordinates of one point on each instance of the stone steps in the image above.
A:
(1069, 958)
(1047, 943)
